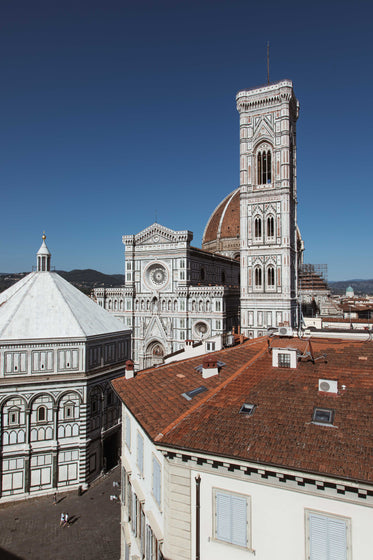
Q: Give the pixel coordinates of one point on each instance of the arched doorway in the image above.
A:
(154, 354)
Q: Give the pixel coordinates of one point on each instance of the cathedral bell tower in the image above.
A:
(268, 199)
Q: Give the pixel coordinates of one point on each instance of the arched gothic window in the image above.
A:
(41, 414)
(264, 164)
(258, 276)
(271, 276)
(270, 226)
(258, 227)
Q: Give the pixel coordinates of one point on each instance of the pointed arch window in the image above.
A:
(264, 167)
(270, 226)
(258, 227)
(271, 276)
(41, 414)
(258, 277)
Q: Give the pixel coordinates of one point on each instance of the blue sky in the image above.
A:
(117, 113)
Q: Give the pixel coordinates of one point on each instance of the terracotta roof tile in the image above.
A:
(280, 431)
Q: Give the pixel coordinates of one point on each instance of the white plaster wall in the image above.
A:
(143, 480)
(277, 521)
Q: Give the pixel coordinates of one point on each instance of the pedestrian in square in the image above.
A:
(62, 520)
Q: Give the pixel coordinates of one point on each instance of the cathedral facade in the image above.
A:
(174, 292)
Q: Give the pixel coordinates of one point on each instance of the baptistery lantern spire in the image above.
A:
(43, 256)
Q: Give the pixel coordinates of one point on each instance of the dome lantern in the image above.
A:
(43, 257)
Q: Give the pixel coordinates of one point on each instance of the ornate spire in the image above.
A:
(43, 263)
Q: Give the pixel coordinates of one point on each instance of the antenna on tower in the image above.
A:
(268, 62)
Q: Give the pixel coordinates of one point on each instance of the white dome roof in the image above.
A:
(44, 305)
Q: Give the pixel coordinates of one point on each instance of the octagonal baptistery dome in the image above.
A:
(222, 233)
(59, 351)
(44, 306)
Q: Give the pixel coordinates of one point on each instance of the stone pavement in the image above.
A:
(30, 530)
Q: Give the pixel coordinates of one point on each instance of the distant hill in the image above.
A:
(88, 279)
(360, 286)
(85, 280)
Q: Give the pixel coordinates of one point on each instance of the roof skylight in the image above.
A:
(190, 394)
(247, 408)
(323, 416)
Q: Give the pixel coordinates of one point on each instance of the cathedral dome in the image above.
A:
(222, 233)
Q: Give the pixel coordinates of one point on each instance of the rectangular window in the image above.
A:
(140, 453)
(217, 306)
(218, 325)
(128, 432)
(323, 416)
(157, 481)
(284, 360)
(327, 537)
(232, 518)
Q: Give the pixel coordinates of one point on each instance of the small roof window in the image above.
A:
(190, 394)
(323, 416)
(247, 408)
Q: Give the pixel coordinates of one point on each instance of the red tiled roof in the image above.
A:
(280, 432)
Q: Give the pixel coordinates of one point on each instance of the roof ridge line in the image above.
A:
(209, 395)
(68, 303)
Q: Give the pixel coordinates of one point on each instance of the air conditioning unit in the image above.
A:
(285, 331)
(328, 386)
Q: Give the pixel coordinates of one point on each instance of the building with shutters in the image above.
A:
(260, 450)
(60, 419)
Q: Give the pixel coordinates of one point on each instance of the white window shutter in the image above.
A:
(327, 538)
(337, 539)
(156, 481)
(239, 520)
(140, 453)
(318, 537)
(128, 432)
(223, 517)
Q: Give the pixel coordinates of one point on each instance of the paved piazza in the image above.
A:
(30, 529)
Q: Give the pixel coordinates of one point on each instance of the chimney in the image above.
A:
(129, 369)
(209, 367)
